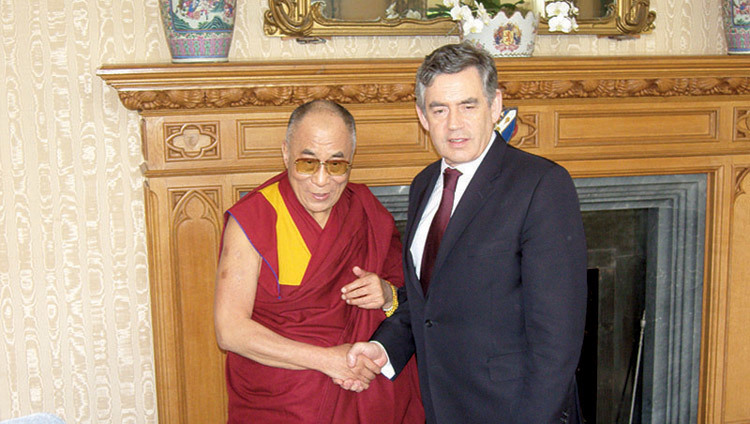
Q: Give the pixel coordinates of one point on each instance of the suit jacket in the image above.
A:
(499, 334)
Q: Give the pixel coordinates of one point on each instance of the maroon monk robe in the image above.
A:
(359, 232)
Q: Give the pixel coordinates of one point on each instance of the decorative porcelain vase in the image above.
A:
(737, 26)
(198, 30)
(508, 36)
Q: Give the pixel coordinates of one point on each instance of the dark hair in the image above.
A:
(454, 58)
(318, 105)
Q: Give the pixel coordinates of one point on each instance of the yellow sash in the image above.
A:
(292, 251)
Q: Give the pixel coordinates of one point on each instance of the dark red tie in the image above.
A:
(437, 228)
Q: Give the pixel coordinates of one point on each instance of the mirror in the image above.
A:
(308, 19)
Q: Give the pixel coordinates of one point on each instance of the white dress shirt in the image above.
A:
(467, 170)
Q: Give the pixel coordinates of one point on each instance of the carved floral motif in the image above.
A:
(192, 141)
(394, 93)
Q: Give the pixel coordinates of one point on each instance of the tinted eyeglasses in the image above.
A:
(309, 166)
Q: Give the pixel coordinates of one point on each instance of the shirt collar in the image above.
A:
(468, 169)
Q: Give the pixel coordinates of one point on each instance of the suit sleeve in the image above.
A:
(395, 334)
(553, 278)
(396, 329)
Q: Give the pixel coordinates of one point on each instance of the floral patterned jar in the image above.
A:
(737, 26)
(198, 30)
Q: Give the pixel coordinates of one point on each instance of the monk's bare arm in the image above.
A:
(236, 331)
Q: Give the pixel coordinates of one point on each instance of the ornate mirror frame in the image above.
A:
(300, 18)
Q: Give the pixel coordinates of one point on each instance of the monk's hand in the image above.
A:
(374, 351)
(357, 377)
(363, 354)
(368, 291)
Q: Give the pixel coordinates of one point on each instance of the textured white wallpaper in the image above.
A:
(75, 331)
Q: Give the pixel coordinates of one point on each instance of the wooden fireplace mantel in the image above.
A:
(211, 132)
(232, 85)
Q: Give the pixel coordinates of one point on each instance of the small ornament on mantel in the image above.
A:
(198, 30)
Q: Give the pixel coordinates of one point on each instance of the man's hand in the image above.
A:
(367, 352)
(371, 350)
(358, 375)
(368, 291)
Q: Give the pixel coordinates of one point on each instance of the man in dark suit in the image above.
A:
(495, 305)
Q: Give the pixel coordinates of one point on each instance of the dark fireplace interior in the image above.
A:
(616, 241)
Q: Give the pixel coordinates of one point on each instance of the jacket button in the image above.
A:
(428, 323)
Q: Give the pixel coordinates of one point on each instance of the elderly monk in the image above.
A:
(310, 264)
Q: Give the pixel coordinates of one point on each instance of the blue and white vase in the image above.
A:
(198, 30)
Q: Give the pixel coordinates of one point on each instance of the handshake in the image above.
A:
(362, 363)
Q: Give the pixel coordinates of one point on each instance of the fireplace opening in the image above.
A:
(645, 240)
(608, 372)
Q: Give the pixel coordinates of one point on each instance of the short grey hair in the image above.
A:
(452, 59)
(318, 105)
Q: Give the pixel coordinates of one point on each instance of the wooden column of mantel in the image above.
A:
(211, 132)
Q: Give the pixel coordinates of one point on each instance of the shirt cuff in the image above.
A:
(387, 369)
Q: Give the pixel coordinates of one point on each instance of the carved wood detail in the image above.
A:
(178, 202)
(739, 177)
(250, 148)
(165, 320)
(604, 88)
(527, 135)
(394, 93)
(266, 96)
(185, 207)
(196, 234)
(192, 141)
(623, 126)
(735, 407)
(742, 124)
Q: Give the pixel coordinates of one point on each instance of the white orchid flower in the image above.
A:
(462, 13)
(559, 23)
(456, 13)
(413, 14)
(482, 14)
(390, 12)
(557, 8)
(452, 3)
(538, 6)
(472, 26)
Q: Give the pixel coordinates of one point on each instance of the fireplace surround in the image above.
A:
(211, 132)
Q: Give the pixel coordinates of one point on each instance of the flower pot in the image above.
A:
(198, 30)
(737, 26)
(508, 36)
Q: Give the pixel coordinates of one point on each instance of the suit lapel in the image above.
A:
(479, 190)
